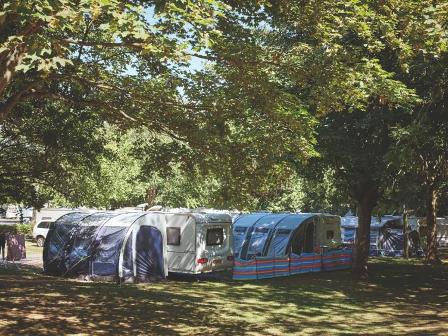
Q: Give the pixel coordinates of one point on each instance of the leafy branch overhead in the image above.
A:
(50, 41)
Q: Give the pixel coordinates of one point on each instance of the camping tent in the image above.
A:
(442, 231)
(270, 245)
(386, 235)
(113, 245)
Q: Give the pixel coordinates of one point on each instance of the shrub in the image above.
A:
(25, 229)
(8, 228)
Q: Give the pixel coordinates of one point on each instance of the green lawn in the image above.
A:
(401, 298)
(32, 249)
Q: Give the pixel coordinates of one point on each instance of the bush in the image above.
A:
(25, 229)
(8, 228)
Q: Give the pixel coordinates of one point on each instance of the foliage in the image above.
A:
(67, 66)
(42, 146)
(8, 228)
(93, 43)
(140, 166)
(323, 192)
(25, 229)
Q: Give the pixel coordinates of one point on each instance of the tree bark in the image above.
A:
(9, 60)
(431, 234)
(362, 243)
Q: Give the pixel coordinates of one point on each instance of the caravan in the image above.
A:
(199, 242)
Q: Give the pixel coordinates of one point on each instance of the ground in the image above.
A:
(401, 297)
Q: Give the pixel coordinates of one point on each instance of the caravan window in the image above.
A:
(173, 236)
(215, 236)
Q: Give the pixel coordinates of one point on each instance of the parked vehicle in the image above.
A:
(27, 213)
(442, 232)
(43, 219)
(191, 242)
(11, 212)
(40, 232)
(199, 242)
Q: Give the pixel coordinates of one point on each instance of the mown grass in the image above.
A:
(32, 250)
(402, 297)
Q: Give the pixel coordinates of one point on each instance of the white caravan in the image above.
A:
(199, 242)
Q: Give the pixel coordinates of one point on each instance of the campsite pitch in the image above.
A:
(403, 297)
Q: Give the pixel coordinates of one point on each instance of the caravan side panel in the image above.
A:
(328, 230)
(181, 243)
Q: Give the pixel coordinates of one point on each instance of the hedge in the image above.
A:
(25, 229)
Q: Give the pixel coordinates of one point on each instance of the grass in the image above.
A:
(402, 297)
(32, 249)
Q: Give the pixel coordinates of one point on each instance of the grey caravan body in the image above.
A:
(199, 242)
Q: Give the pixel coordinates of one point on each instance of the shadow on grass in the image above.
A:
(402, 298)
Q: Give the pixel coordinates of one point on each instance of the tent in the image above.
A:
(386, 235)
(442, 231)
(107, 245)
(270, 245)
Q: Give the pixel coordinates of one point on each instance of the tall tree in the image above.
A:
(325, 56)
(117, 59)
(421, 145)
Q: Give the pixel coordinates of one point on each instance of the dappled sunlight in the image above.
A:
(399, 298)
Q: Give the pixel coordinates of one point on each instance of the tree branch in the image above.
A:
(10, 104)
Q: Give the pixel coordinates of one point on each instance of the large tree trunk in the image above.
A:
(362, 243)
(431, 234)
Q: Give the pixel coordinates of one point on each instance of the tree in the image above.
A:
(139, 165)
(43, 146)
(116, 59)
(424, 153)
(96, 44)
(327, 58)
(355, 144)
(421, 145)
